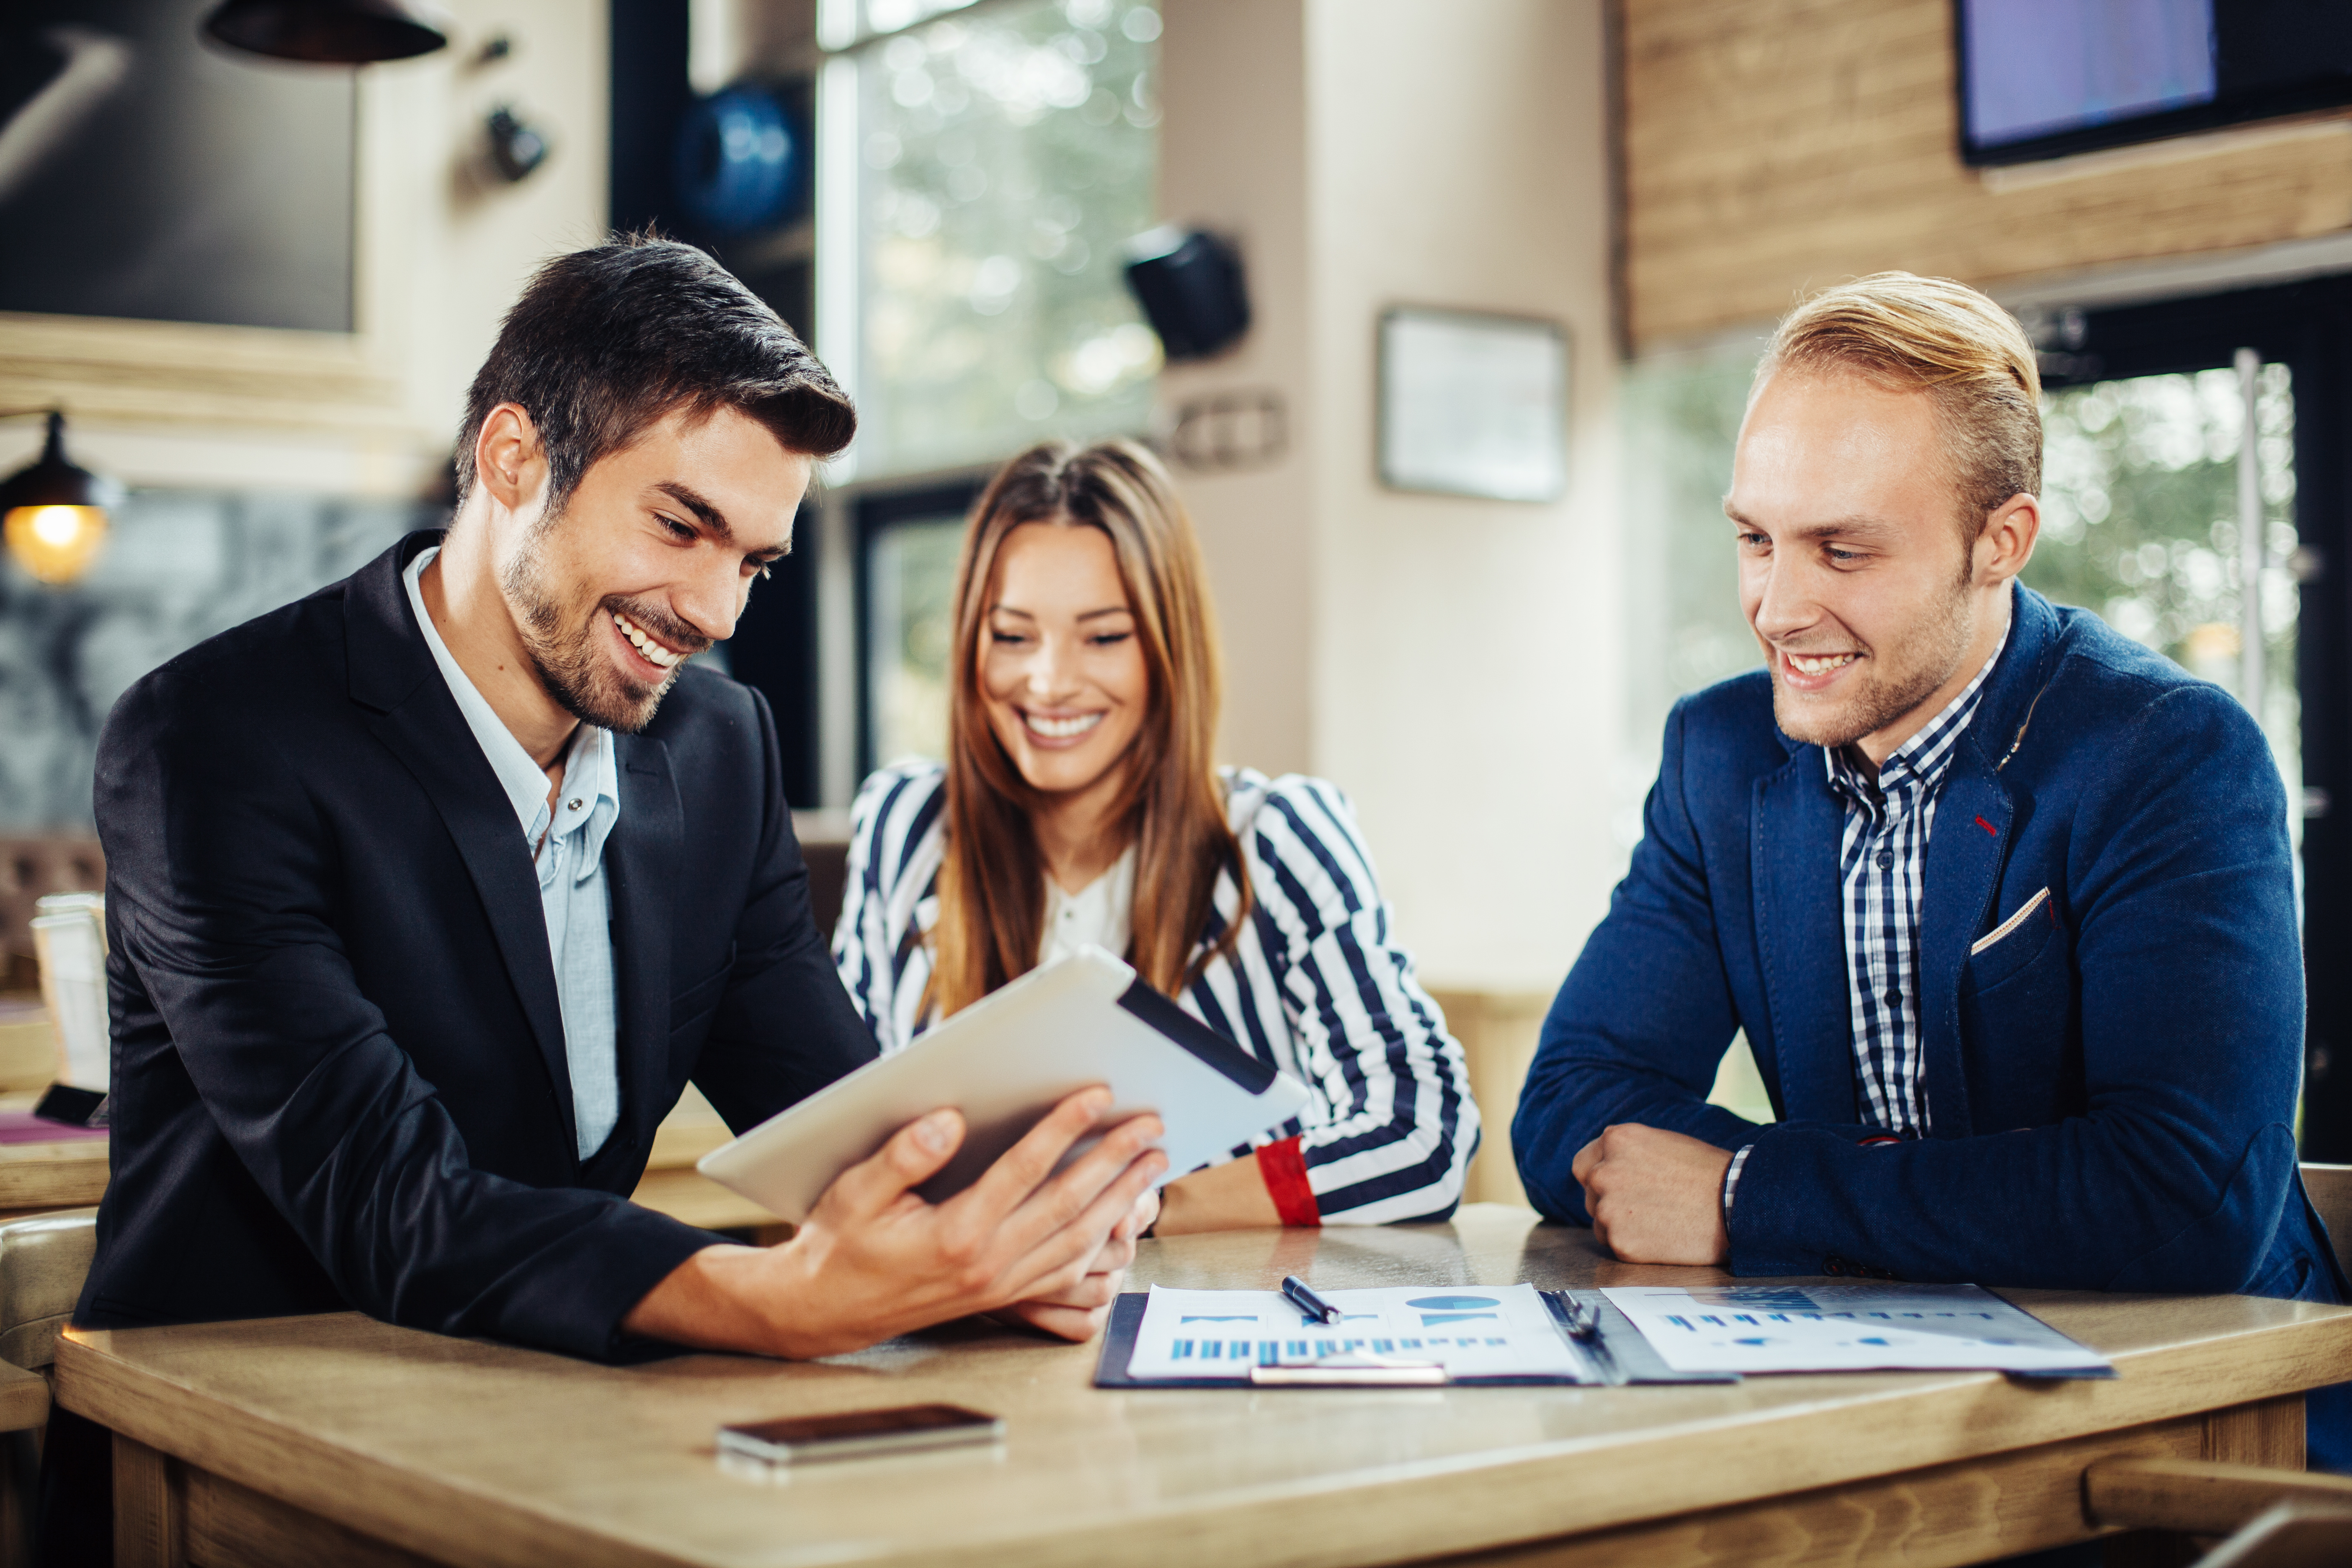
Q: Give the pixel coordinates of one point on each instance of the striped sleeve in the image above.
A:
(1394, 1127)
(891, 825)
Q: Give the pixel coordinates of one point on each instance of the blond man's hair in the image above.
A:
(1907, 333)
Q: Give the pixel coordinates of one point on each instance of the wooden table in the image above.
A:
(36, 1178)
(337, 1438)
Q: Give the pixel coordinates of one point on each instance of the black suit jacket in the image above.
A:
(338, 1069)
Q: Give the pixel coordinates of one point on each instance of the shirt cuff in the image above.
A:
(1284, 1169)
(1731, 1181)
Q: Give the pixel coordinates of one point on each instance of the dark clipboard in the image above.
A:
(1625, 1357)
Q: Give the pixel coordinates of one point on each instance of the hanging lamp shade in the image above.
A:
(52, 514)
(329, 32)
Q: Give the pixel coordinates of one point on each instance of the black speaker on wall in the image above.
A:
(1189, 285)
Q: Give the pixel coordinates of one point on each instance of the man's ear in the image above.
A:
(2007, 542)
(509, 460)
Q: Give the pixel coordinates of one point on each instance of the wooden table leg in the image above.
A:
(2268, 1432)
(150, 1511)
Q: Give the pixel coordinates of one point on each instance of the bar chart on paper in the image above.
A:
(1849, 1328)
(1504, 1332)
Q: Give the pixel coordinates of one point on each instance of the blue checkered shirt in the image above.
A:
(1883, 865)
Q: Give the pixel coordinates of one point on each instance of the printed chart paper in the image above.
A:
(1474, 1331)
(1849, 1328)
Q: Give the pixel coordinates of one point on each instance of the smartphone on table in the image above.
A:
(797, 1440)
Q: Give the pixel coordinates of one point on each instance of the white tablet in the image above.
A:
(1004, 1062)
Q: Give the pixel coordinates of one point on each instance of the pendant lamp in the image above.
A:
(52, 514)
(328, 32)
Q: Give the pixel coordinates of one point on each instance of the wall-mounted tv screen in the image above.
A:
(2039, 79)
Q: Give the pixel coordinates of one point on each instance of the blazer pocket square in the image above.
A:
(2040, 901)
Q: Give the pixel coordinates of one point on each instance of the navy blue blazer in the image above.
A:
(2112, 1083)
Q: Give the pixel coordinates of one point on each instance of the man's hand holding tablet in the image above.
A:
(874, 1260)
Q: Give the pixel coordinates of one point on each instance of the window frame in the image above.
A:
(873, 513)
(2306, 325)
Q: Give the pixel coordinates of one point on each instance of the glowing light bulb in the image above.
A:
(57, 526)
(56, 544)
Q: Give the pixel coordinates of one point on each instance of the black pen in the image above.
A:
(1295, 1290)
(1583, 1322)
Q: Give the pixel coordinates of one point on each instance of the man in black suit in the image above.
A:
(429, 893)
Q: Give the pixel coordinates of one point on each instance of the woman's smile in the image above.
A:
(1060, 730)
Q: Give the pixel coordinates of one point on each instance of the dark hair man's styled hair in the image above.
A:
(608, 341)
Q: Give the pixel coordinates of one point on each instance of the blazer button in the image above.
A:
(1833, 1266)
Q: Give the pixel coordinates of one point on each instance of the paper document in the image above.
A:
(1474, 1331)
(1849, 1328)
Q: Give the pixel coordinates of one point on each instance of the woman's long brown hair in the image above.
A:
(992, 883)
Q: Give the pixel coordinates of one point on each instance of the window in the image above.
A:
(2140, 524)
(907, 545)
(983, 170)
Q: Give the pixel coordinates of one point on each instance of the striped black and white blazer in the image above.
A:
(1317, 984)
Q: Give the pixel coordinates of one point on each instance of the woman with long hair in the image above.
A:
(1079, 805)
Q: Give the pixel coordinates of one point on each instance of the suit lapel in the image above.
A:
(641, 859)
(1796, 828)
(392, 673)
(1964, 851)
(1794, 832)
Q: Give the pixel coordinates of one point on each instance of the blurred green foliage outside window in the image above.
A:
(1006, 153)
(2139, 496)
(910, 582)
(2140, 524)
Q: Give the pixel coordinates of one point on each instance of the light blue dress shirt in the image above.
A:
(567, 849)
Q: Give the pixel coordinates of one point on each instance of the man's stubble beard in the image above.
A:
(1885, 693)
(566, 660)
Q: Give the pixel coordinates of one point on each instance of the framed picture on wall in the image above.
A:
(1472, 404)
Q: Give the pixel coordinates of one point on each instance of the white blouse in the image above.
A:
(1100, 915)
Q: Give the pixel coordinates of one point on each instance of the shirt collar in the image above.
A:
(524, 781)
(1923, 759)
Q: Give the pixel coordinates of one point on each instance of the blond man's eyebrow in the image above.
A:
(1859, 526)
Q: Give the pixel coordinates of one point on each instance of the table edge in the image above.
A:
(397, 1502)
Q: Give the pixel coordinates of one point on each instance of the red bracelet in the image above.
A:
(1284, 1170)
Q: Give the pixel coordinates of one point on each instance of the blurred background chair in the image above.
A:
(2272, 1518)
(2330, 1188)
(43, 1261)
(2291, 1535)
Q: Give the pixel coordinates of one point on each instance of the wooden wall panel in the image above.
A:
(1773, 146)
